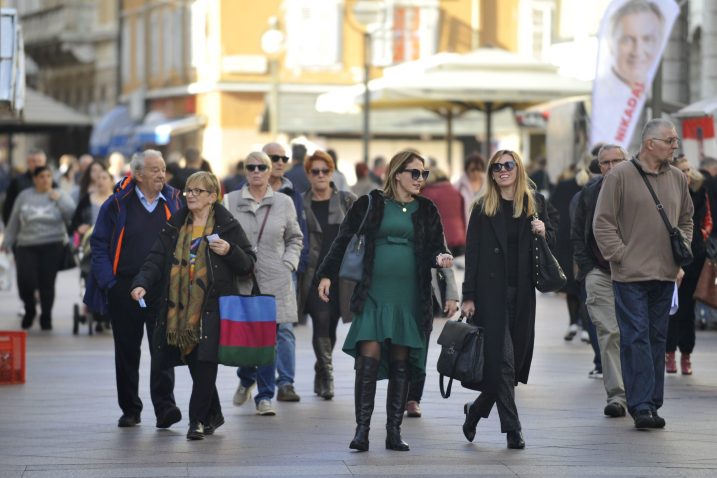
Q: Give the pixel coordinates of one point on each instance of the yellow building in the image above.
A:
(195, 74)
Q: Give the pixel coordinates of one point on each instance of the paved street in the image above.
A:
(62, 422)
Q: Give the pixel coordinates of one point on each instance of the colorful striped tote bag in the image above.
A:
(247, 334)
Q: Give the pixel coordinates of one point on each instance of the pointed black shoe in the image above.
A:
(128, 420)
(396, 404)
(196, 431)
(643, 420)
(364, 395)
(471, 422)
(515, 440)
(168, 417)
(213, 423)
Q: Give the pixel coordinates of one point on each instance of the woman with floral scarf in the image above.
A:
(198, 256)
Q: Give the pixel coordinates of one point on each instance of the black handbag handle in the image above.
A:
(365, 216)
(446, 392)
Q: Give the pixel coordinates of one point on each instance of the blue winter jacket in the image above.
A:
(106, 240)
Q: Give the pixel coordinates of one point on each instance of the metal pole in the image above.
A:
(488, 128)
(366, 94)
(657, 93)
(449, 140)
(274, 99)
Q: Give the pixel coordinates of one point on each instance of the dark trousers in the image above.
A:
(642, 310)
(324, 316)
(204, 403)
(415, 387)
(504, 398)
(681, 330)
(128, 324)
(36, 271)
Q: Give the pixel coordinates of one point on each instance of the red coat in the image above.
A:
(450, 204)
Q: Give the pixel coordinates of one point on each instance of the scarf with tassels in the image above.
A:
(186, 292)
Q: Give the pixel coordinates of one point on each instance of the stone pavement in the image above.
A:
(62, 422)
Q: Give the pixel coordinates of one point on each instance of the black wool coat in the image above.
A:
(222, 277)
(428, 239)
(485, 283)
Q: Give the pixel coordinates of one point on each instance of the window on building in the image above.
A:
(409, 32)
(179, 34)
(168, 41)
(313, 33)
(141, 47)
(200, 32)
(541, 27)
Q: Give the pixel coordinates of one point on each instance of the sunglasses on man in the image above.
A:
(253, 167)
(275, 158)
(417, 174)
(498, 167)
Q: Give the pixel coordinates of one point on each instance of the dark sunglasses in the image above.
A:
(253, 167)
(276, 157)
(498, 167)
(324, 171)
(417, 174)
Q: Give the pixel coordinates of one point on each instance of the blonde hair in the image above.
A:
(396, 166)
(696, 177)
(206, 180)
(259, 156)
(524, 199)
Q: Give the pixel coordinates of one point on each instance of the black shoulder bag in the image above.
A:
(680, 250)
(461, 354)
(548, 276)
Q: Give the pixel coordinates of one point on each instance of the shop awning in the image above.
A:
(112, 124)
(42, 113)
(161, 133)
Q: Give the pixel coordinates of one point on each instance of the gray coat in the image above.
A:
(279, 249)
(339, 205)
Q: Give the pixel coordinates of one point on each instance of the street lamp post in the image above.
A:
(272, 43)
(370, 14)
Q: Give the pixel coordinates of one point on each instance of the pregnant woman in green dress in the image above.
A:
(392, 304)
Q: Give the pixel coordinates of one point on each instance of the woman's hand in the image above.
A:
(451, 308)
(324, 286)
(468, 308)
(137, 293)
(538, 227)
(220, 247)
(444, 261)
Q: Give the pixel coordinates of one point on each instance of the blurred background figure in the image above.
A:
(338, 177)
(364, 184)
(451, 207)
(236, 180)
(35, 158)
(117, 166)
(538, 173)
(37, 233)
(378, 171)
(471, 181)
(66, 177)
(296, 174)
(681, 329)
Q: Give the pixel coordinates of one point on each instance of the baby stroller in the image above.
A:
(83, 254)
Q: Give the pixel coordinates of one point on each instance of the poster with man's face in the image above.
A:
(632, 38)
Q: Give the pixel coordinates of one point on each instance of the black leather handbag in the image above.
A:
(548, 276)
(461, 354)
(681, 251)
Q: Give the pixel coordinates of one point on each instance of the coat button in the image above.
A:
(496, 251)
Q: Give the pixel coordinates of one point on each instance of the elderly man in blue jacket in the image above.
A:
(127, 225)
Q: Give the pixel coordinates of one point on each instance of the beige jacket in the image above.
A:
(627, 225)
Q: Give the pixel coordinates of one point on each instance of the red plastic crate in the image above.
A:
(12, 357)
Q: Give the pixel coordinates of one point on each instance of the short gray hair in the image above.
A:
(137, 163)
(609, 147)
(652, 126)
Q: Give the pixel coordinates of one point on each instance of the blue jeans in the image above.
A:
(285, 354)
(643, 311)
(263, 376)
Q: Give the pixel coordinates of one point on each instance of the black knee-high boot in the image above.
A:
(364, 395)
(396, 405)
(326, 379)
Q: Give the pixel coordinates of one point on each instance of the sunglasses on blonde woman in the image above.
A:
(253, 167)
(498, 167)
(417, 173)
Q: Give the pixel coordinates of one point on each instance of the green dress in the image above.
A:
(391, 311)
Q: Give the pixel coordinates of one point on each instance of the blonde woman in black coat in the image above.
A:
(498, 293)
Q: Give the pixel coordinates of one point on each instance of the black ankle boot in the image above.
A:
(364, 395)
(469, 425)
(396, 405)
(515, 440)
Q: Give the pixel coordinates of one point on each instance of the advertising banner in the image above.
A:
(632, 38)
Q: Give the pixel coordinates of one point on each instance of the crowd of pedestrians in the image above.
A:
(166, 241)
